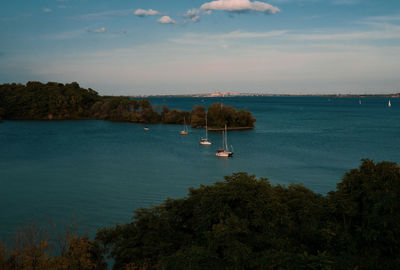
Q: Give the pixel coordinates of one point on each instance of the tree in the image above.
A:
(242, 223)
(34, 248)
(56, 101)
(366, 208)
(246, 223)
(198, 116)
(220, 115)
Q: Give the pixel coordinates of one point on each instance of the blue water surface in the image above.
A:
(99, 172)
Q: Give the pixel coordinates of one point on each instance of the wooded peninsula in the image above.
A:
(56, 101)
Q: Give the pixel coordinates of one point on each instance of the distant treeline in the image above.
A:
(242, 223)
(56, 101)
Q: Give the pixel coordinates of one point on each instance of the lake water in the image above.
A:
(99, 172)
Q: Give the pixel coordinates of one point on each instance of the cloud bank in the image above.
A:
(240, 6)
(166, 20)
(192, 15)
(142, 12)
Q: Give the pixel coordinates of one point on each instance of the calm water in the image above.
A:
(100, 172)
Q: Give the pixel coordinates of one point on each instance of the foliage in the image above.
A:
(220, 115)
(39, 101)
(174, 116)
(124, 110)
(198, 118)
(56, 101)
(366, 212)
(34, 249)
(241, 223)
(246, 223)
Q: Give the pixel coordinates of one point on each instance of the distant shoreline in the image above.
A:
(394, 95)
(230, 128)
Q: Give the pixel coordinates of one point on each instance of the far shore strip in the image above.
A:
(230, 128)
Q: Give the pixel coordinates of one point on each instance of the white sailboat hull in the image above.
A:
(224, 154)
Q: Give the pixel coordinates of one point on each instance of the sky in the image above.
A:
(145, 47)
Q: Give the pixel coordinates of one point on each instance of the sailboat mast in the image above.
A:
(206, 128)
(226, 139)
(223, 139)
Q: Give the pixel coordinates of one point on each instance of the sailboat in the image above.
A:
(224, 151)
(185, 130)
(389, 104)
(205, 141)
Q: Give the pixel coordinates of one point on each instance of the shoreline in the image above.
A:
(229, 128)
(393, 95)
(130, 122)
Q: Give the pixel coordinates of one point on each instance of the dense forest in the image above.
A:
(56, 101)
(243, 222)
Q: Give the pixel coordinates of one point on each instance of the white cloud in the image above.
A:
(47, 10)
(240, 6)
(192, 15)
(143, 12)
(166, 20)
(101, 30)
(194, 18)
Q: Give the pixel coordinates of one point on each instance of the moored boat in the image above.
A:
(185, 130)
(205, 141)
(224, 151)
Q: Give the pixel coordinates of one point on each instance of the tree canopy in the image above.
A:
(243, 222)
(247, 223)
(56, 101)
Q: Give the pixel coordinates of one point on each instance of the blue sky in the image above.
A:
(123, 47)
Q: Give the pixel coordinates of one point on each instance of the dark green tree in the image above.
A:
(198, 117)
(246, 223)
(366, 211)
(220, 115)
(242, 223)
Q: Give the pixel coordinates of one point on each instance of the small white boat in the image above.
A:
(224, 151)
(389, 104)
(359, 101)
(185, 130)
(205, 141)
(146, 128)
